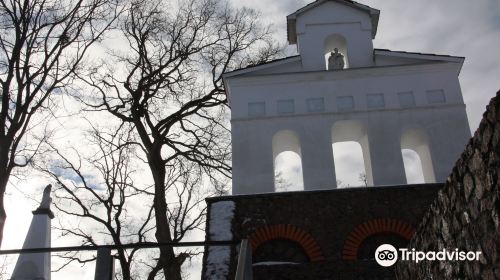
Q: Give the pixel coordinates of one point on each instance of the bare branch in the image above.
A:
(43, 44)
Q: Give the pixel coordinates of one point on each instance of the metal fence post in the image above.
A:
(244, 268)
(105, 265)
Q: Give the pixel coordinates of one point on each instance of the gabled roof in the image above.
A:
(429, 57)
(291, 18)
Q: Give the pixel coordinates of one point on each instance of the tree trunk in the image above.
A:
(171, 267)
(4, 179)
(124, 265)
(3, 214)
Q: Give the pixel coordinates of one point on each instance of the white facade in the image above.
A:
(384, 100)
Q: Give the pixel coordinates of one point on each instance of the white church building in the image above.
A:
(384, 100)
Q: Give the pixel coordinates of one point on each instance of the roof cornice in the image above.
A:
(350, 73)
(269, 64)
(428, 56)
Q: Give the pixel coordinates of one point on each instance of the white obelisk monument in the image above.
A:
(31, 266)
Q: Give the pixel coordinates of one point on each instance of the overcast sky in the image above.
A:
(453, 27)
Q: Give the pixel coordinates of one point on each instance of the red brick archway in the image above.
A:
(367, 229)
(288, 232)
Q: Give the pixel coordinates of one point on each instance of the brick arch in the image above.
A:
(367, 229)
(288, 232)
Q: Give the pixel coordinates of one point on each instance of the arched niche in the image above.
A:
(417, 140)
(366, 237)
(298, 239)
(280, 250)
(287, 162)
(345, 132)
(336, 41)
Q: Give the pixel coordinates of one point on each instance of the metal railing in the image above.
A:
(244, 268)
(104, 269)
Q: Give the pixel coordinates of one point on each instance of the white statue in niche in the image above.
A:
(336, 60)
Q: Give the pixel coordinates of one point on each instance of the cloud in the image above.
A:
(60, 169)
(349, 163)
(289, 167)
(413, 167)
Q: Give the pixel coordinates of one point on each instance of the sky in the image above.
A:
(452, 27)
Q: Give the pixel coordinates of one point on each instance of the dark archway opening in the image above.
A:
(280, 250)
(368, 247)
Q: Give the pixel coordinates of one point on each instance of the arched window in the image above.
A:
(287, 162)
(351, 154)
(338, 42)
(417, 157)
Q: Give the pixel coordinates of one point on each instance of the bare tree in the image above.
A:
(98, 190)
(281, 184)
(363, 179)
(42, 44)
(171, 91)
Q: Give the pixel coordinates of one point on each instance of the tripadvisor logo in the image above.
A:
(387, 255)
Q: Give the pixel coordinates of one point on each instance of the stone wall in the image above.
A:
(330, 225)
(328, 270)
(465, 214)
(330, 216)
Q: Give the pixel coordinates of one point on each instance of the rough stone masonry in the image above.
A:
(465, 214)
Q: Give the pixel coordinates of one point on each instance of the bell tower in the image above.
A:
(317, 118)
(385, 101)
(320, 27)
